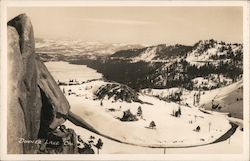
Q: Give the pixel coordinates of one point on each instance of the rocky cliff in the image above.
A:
(35, 106)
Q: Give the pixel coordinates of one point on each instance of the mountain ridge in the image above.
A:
(164, 51)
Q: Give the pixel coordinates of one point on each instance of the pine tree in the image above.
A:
(99, 145)
(194, 99)
(152, 124)
(179, 110)
(139, 111)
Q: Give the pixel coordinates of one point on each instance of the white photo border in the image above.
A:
(219, 157)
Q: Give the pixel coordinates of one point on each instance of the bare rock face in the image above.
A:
(36, 105)
(15, 106)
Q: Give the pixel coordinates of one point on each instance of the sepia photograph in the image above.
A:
(113, 79)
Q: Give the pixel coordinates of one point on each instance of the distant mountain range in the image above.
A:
(213, 64)
(78, 47)
(200, 53)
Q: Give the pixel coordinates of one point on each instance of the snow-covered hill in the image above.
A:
(229, 98)
(200, 53)
(213, 52)
(159, 53)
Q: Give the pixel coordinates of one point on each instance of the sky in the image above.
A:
(136, 25)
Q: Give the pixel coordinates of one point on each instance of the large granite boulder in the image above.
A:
(36, 105)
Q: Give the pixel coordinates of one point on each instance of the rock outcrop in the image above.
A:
(36, 105)
(117, 91)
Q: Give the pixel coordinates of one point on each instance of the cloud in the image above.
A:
(113, 21)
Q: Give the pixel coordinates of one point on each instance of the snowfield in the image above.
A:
(229, 97)
(135, 137)
(113, 147)
(167, 132)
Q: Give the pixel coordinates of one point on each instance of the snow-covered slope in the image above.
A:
(148, 55)
(113, 147)
(200, 53)
(211, 81)
(230, 98)
(106, 114)
(213, 52)
(158, 53)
